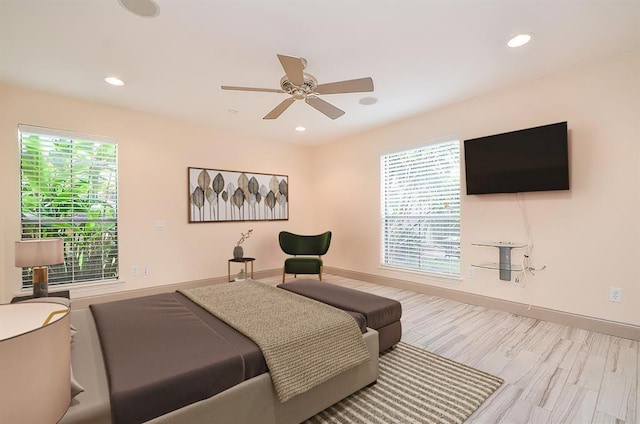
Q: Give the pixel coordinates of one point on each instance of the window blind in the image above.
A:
(421, 208)
(69, 190)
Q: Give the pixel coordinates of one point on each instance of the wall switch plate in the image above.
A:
(145, 270)
(134, 270)
(470, 272)
(615, 294)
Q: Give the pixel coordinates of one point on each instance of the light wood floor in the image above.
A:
(552, 373)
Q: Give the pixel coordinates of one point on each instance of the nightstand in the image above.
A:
(62, 293)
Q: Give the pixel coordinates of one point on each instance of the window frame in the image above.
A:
(86, 213)
(450, 266)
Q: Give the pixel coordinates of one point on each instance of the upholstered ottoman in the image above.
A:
(381, 314)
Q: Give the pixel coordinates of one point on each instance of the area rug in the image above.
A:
(414, 386)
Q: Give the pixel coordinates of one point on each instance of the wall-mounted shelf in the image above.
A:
(504, 266)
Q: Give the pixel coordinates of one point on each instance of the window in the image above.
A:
(421, 208)
(69, 190)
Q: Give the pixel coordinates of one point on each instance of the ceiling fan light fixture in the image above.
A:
(520, 40)
(299, 94)
(114, 81)
(300, 129)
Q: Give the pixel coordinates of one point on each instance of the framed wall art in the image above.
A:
(222, 196)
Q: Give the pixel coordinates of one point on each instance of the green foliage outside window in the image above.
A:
(69, 191)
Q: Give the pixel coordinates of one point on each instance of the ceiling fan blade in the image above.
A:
(351, 86)
(277, 111)
(265, 90)
(293, 67)
(327, 108)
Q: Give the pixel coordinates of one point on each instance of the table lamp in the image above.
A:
(39, 253)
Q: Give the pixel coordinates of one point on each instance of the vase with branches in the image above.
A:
(238, 252)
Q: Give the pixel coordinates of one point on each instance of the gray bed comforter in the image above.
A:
(163, 352)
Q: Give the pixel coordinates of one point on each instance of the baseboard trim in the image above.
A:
(599, 325)
(84, 302)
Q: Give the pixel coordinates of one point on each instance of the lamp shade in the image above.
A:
(35, 362)
(39, 252)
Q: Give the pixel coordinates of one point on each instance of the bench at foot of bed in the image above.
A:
(382, 314)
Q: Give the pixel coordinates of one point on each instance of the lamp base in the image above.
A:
(40, 281)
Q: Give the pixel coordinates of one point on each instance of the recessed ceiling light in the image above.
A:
(144, 8)
(368, 101)
(300, 129)
(232, 111)
(114, 81)
(520, 40)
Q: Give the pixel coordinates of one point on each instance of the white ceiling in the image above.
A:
(421, 54)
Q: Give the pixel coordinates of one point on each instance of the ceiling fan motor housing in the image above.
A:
(308, 87)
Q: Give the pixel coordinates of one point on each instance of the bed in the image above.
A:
(247, 398)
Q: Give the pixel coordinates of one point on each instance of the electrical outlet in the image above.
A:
(145, 270)
(615, 294)
(470, 272)
(134, 270)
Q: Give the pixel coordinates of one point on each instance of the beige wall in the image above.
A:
(154, 153)
(587, 237)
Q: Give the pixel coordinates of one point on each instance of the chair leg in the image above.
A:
(320, 274)
(284, 272)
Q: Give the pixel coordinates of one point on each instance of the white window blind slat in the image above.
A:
(69, 190)
(421, 208)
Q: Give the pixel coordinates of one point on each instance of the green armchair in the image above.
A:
(303, 249)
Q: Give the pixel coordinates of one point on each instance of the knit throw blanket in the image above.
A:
(304, 342)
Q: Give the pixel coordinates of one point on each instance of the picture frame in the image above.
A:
(217, 195)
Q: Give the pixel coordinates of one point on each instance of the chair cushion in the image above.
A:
(302, 265)
(379, 311)
(294, 244)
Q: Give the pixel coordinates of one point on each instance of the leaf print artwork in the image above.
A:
(270, 201)
(230, 196)
(225, 197)
(238, 200)
(263, 192)
(253, 187)
(243, 184)
(252, 204)
(211, 198)
(204, 179)
(218, 186)
(274, 184)
(231, 189)
(198, 200)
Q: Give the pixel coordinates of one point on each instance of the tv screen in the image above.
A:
(534, 159)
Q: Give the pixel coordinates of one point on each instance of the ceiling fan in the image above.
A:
(301, 85)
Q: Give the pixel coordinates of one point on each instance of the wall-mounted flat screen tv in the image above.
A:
(533, 159)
